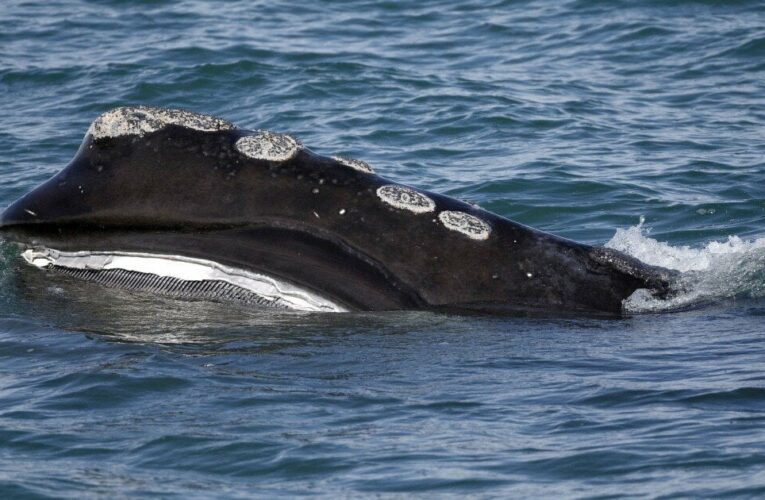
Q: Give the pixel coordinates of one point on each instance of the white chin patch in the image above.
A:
(180, 276)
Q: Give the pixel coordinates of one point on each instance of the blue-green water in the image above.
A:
(575, 117)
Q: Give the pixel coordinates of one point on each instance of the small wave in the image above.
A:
(716, 271)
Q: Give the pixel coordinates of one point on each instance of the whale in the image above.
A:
(170, 201)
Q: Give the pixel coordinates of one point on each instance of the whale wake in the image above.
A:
(716, 271)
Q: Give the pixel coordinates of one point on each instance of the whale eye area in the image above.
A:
(355, 164)
(268, 146)
(405, 198)
(141, 120)
(469, 225)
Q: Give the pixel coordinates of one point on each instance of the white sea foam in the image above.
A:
(716, 271)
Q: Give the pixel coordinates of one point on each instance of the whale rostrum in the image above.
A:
(175, 202)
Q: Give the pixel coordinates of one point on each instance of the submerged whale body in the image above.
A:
(189, 205)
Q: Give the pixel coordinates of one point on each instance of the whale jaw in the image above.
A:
(180, 276)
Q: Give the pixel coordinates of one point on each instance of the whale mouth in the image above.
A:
(179, 276)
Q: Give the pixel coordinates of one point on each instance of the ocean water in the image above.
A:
(636, 124)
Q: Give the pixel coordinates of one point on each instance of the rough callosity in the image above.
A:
(269, 146)
(354, 164)
(140, 120)
(469, 225)
(405, 198)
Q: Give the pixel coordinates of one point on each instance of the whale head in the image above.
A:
(154, 190)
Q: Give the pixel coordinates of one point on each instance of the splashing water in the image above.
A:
(720, 270)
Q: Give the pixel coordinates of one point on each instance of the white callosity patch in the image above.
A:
(406, 199)
(187, 269)
(142, 120)
(269, 146)
(354, 164)
(469, 225)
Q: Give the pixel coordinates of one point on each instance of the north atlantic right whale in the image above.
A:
(176, 202)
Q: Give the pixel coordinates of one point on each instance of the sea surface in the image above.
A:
(636, 124)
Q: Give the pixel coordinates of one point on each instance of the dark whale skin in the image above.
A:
(314, 221)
